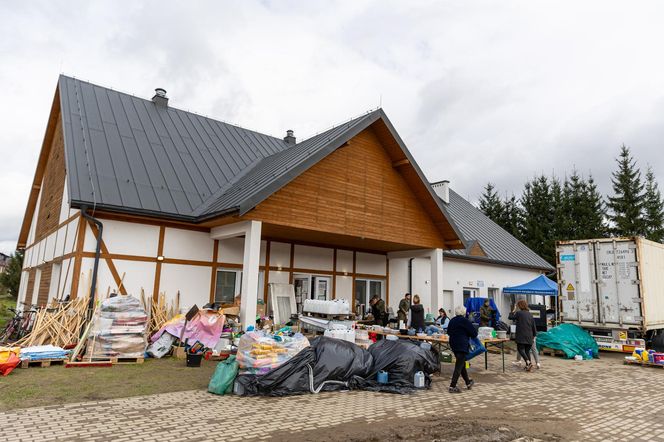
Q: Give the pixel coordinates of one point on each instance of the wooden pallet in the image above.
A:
(643, 364)
(110, 360)
(41, 363)
(552, 352)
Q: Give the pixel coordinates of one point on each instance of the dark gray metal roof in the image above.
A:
(127, 152)
(499, 245)
(273, 172)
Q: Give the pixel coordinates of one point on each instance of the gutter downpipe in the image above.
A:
(410, 276)
(100, 226)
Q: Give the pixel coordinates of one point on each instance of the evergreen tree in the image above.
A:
(595, 220)
(653, 209)
(561, 225)
(538, 226)
(490, 203)
(512, 217)
(11, 277)
(626, 204)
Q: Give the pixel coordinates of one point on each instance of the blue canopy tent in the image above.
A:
(541, 286)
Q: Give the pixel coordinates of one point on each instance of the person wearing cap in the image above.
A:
(404, 307)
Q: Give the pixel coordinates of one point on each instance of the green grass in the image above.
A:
(36, 386)
(6, 301)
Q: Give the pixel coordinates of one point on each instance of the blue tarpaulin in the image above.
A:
(541, 285)
(473, 309)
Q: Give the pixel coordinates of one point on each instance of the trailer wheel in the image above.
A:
(657, 341)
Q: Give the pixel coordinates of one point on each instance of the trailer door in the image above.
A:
(618, 283)
(577, 288)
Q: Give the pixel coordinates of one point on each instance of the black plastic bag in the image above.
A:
(338, 360)
(401, 359)
(292, 377)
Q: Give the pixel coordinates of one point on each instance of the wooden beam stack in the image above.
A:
(57, 325)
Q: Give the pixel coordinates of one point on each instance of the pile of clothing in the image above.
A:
(119, 329)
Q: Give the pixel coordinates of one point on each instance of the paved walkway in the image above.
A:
(591, 400)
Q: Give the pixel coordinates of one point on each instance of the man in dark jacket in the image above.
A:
(460, 331)
(378, 311)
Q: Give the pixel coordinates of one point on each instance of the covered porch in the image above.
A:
(320, 265)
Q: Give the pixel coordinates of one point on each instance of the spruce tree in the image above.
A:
(653, 210)
(490, 203)
(512, 217)
(595, 221)
(626, 204)
(538, 229)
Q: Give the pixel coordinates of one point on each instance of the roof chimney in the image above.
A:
(442, 189)
(289, 138)
(160, 97)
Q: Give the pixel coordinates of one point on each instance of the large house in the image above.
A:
(176, 203)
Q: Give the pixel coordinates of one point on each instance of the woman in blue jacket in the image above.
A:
(460, 331)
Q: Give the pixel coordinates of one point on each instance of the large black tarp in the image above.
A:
(332, 364)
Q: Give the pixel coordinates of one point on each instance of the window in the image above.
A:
(468, 293)
(493, 293)
(227, 281)
(365, 289)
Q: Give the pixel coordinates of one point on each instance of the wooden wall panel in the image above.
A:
(52, 186)
(354, 191)
(31, 285)
(44, 284)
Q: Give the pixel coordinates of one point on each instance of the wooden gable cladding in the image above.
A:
(475, 249)
(48, 215)
(354, 191)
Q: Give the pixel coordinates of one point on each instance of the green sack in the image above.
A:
(223, 377)
(570, 339)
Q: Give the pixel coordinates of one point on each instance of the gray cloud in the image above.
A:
(479, 90)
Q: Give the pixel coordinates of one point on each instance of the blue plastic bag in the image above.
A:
(476, 348)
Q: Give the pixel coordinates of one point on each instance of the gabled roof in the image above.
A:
(499, 246)
(126, 152)
(130, 155)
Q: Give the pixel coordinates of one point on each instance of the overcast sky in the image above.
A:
(479, 90)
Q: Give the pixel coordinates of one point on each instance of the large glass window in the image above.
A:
(468, 293)
(227, 281)
(365, 289)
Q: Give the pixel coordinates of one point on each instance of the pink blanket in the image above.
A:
(206, 327)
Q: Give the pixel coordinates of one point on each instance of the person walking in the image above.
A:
(417, 315)
(460, 331)
(533, 351)
(404, 306)
(525, 331)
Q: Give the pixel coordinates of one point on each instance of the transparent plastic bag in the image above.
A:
(259, 352)
(119, 329)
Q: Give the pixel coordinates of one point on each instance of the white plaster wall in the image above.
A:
(457, 274)
(315, 258)
(49, 247)
(22, 289)
(279, 277)
(370, 263)
(54, 282)
(33, 224)
(344, 261)
(60, 241)
(344, 288)
(279, 254)
(186, 244)
(104, 278)
(72, 231)
(231, 250)
(26, 259)
(66, 272)
(193, 282)
(126, 238)
(65, 211)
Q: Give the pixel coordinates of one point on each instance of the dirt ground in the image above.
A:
(426, 428)
(36, 386)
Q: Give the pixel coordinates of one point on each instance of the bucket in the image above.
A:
(194, 360)
(501, 334)
(382, 377)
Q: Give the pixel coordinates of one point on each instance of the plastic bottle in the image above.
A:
(382, 377)
(419, 380)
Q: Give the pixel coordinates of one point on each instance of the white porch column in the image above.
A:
(250, 272)
(436, 279)
(250, 264)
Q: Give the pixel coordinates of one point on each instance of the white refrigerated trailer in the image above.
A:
(614, 288)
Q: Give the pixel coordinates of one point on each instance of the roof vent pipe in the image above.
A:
(160, 97)
(289, 138)
(442, 189)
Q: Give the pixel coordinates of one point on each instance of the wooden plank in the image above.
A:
(213, 277)
(109, 261)
(157, 271)
(78, 257)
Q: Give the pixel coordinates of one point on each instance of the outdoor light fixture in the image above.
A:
(279, 267)
(160, 258)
